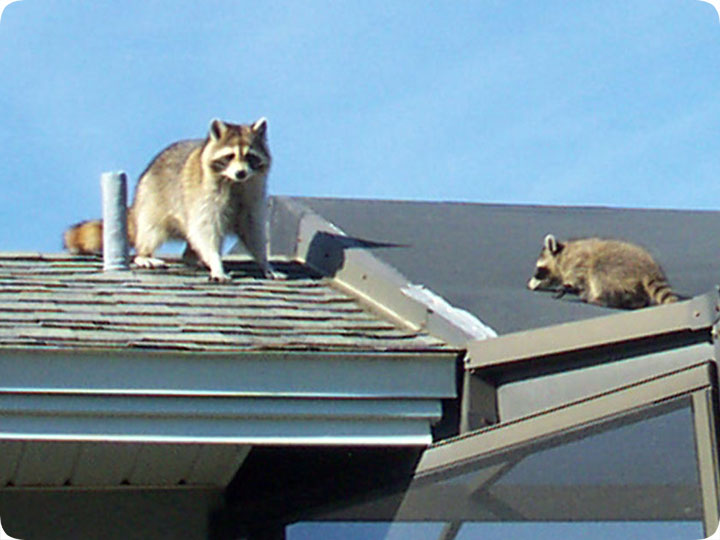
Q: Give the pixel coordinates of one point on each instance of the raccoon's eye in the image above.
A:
(220, 164)
(541, 272)
(254, 161)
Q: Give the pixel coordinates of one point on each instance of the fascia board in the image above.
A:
(77, 418)
(253, 398)
(251, 374)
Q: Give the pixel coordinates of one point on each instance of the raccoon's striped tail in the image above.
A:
(658, 290)
(86, 237)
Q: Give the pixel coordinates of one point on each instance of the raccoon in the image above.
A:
(610, 273)
(84, 238)
(198, 191)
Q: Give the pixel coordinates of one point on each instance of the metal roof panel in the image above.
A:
(480, 256)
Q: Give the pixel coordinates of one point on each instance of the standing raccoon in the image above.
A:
(609, 273)
(198, 191)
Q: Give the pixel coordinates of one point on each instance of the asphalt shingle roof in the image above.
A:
(62, 301)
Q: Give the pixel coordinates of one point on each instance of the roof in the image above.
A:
(62, 301)
(480, 256)
(166, 368)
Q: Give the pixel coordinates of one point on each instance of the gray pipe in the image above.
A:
(115, 242)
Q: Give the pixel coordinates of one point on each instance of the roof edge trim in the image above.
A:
(301, 233)
(691, 315)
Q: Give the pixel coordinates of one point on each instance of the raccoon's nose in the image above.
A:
(241, 175)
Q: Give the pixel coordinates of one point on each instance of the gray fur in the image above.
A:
(606, 272)
(202, 190)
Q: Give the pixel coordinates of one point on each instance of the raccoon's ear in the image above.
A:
(217, 129)
(552, 245)
(260, 127)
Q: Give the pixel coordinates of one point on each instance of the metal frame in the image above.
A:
(650, 362)
(566, 419)
(670, 332)
(697, 382)
(497, 448)
(689, 320)
(706, 435)
(679, 333)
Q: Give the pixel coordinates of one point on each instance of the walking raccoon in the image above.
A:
(199, 191)
(610, 273)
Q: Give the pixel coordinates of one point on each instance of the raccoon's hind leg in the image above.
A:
(147, 240)
(149, 262)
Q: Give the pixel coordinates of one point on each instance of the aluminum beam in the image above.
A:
(692, 315)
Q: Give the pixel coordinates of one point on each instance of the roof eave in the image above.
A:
(247, 398)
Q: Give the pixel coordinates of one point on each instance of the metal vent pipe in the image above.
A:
(115, 241)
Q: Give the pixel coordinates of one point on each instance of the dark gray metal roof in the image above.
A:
(60, 301)
(479, 256)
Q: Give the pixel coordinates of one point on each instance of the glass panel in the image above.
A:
(655, 450)
(645, 470)
(634, 477)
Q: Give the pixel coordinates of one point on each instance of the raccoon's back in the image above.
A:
(160, 188)
(613, 258)
(625, 275)
(170, 162)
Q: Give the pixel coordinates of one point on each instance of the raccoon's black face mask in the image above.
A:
(541, 273)
(237, 152)
(543, 278)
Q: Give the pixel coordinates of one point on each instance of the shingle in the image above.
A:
(59, 301)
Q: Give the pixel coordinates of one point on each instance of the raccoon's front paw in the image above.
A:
(269, 273)
(220, 278)
(563, 290)
(149, 262)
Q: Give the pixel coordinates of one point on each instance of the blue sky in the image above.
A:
(555, 102)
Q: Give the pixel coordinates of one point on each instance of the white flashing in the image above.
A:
(460, 318)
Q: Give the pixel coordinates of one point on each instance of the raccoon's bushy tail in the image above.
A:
(659, 290)
(86, 237)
